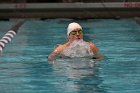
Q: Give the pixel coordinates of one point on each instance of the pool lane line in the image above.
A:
(10, 34)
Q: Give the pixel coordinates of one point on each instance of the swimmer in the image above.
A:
(76, 46)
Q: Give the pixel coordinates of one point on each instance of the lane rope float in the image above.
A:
(10, 35)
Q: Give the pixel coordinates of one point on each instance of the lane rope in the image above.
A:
(7, 38)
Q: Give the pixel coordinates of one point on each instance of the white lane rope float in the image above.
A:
(9, 35)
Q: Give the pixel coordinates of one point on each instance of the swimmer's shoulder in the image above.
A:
(61, 46)
(91, 44)
(93, 47)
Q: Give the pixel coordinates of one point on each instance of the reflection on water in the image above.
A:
(64, 76)
(11, 77)
(81, 74)
(74, 68)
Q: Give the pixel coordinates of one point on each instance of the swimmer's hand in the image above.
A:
(98, 56)
(50, 58)
(53, 56)
(56, 53)
(94, 58)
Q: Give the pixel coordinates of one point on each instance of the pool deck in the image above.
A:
(70, 10)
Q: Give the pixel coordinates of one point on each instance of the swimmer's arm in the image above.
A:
(57, 51)
(95, 50)
(98, 56)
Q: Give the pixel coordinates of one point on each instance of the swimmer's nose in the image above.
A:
(77, 33)
(78, 36)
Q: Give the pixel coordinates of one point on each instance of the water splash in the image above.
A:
(78, 48)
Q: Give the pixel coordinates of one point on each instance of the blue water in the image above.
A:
(24, 67)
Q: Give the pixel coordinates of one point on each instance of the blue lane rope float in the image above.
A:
(10, 34)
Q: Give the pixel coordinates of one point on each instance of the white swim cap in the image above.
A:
(72, 26)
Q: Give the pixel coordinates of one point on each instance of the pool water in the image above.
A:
(24, 67)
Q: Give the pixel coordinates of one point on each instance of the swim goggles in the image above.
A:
(75, 32)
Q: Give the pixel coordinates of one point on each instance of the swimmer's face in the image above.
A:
(76, 34)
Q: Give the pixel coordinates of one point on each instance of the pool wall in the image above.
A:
(70, 10)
